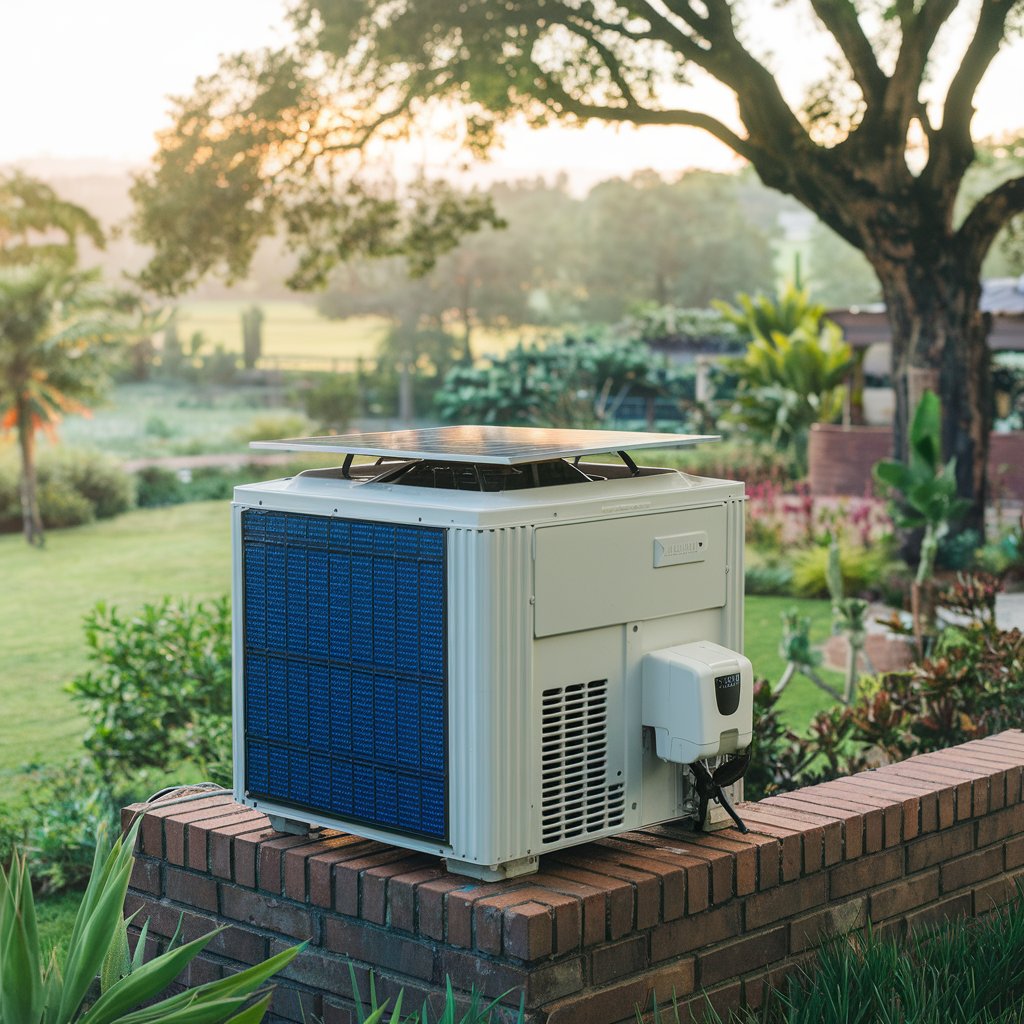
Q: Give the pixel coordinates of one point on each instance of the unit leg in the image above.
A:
(494, 872)
(292, 828)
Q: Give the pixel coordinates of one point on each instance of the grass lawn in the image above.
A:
(295, 328)
(184, 550)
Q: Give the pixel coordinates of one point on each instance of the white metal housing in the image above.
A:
(553, 597)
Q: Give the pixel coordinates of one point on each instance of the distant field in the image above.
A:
(293, 329)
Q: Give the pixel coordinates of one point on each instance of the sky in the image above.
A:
(88, 82)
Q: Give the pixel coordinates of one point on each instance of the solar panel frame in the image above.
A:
(499, 446)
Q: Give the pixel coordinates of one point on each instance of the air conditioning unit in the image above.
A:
(486, 645)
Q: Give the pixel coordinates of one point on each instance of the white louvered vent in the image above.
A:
(576, 796)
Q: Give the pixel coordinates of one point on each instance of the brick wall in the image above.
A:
(840, 460)
(603, 925)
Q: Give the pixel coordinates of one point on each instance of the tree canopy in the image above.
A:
(877, 148)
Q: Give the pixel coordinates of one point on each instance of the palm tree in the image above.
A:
(56, 329)
(35, 223)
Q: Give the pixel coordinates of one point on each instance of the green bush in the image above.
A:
(60, 505)
(862, 568)
(271, 426)
(75, 487)
(159, 691)
(158, 487)
(766, 576)
(332, 401)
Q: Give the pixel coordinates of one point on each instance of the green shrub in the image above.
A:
(159, 691)
(331, 402)
(75, 486)
(60, 505)
(862, 568)
(157, 487)
(270, 427)
(768, 577)
(96, 477)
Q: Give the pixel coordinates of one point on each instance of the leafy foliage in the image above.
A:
(160, 688)
(34, 990)
(926, 486)
(572, 383)
(793, 372)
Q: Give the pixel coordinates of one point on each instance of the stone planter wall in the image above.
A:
(603, 925)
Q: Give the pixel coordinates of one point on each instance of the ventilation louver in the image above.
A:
(576, 796)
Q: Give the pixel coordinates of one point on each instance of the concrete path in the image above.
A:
(1010, 610)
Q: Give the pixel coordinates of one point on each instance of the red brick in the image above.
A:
(486, 913)
(318, 970)
(430, 905)
(592, 904)
(918, 768)
(402, 896)
(1001, 825)
(696, 932)
(320, 867)
(191, 889)
(178, 817)
(378, 947)
(459, 903)
(618, 894)
(270, 861)
(937, 805)
(755, 988)
(955, 906)
(376, 883)
(851, 821)
(618, 1002)
(670, 861)
(197, 834)
(674, 853)
(812, 833)
(865, 873)
(618, 960)
(972, 868)
(790, 841)
(1015, 853)
(347, 876)
(990, 895)
(568, 919)
(245, 848)
(984, 795)
(724, 1000)
(336, 1013)
(743, 955)
(527, 931)
(297, 885)
(873, 836)
(608, 859)
(785, 901)
(910, 824)
(146, 875)
(744, 851)
(905, 895)
(266, 912)
(836, 919)
(221, 842)
(890, 805)
(943, 846)
(831, 824)
(493, 978)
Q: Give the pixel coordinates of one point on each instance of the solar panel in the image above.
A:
(503, 446)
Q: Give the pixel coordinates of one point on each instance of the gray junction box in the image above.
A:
(487, 645)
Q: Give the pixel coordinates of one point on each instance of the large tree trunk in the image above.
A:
(940, 343)
(32, 523)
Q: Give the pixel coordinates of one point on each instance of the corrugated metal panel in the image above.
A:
(490, 709)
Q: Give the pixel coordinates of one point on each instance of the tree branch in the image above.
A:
(556, 96)
(954, 147)
(840, 18)
(990, 214)
(903, 92)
